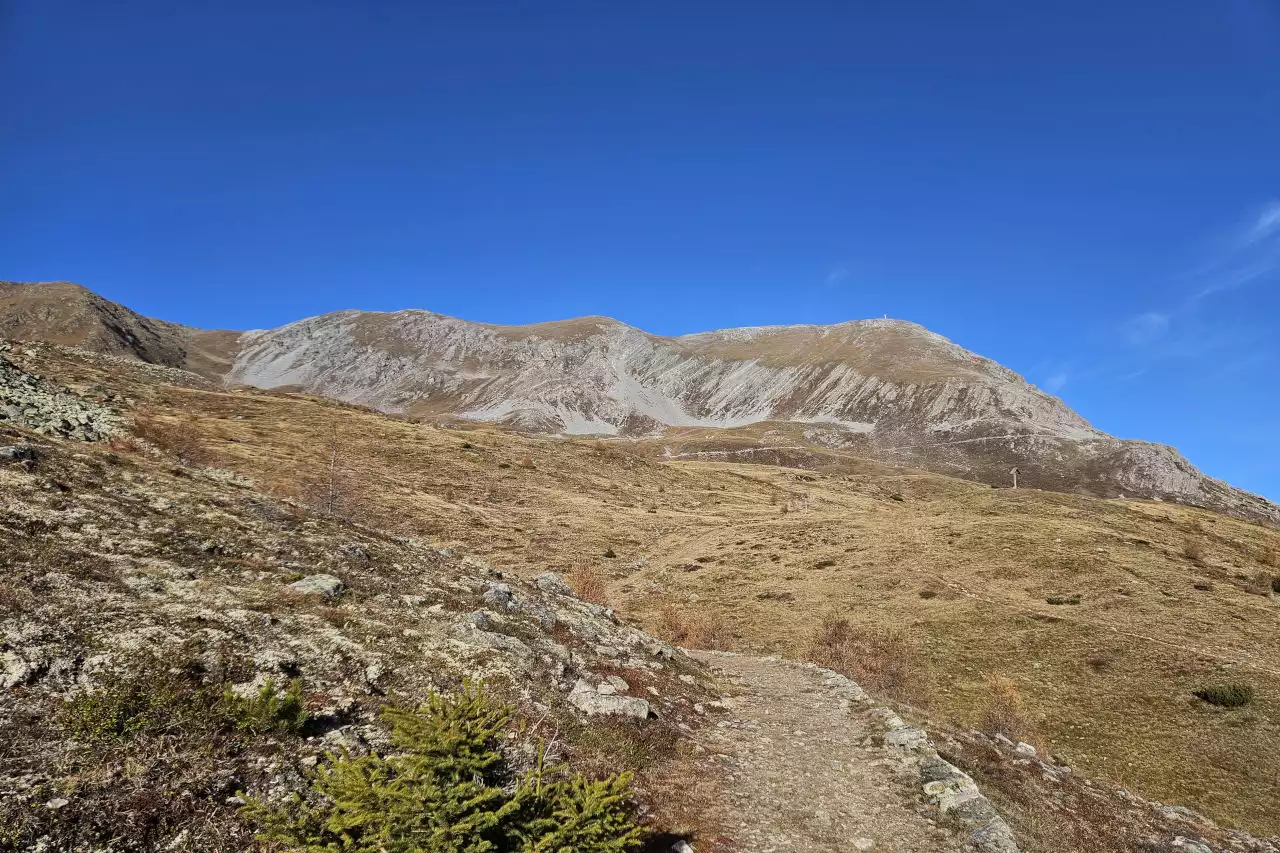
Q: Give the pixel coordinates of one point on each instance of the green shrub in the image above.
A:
(154, 700)
(1226, 695)
(445, 791)
(147, 700)
(268, 711)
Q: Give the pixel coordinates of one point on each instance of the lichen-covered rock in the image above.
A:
(552, 582)
(591, 702)
(28, 400)
(327, 586)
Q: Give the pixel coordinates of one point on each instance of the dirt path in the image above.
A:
(802, 772)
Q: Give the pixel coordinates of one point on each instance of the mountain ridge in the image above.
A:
(885, 389)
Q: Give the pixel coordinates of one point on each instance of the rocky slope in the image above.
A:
(68, 314)
(883, 389)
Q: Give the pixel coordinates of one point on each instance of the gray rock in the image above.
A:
(587, 699)
(1189, 846)
(481, 620)
(323, 585)
(498, 594)
(552, 582)
(18, 453)
(354, 551)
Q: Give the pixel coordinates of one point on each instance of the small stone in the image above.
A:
(681, 847)
(864, 844)
(498, 594)
(323, 585)
(481, 619)
(1027, 749)
(618, 684)
(57, 803)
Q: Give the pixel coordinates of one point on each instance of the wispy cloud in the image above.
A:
(1267, 224)
(1222, 339)
(1145, 328)
(1249, 256)
(837, 275)
(1057, 381)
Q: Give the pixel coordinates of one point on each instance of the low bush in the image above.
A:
(268, 711)
(590, 584)
(1275, 585)
(1193, 550)
(1258, 583)
(448, 789)
(1226, 695)
(179, 438)
(700, 629)
(880, 660)
(153, 700)
(1060, 600)
(1005, 712)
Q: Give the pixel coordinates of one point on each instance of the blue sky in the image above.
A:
(1088, 192)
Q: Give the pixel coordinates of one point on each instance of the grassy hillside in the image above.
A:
(1107, 614)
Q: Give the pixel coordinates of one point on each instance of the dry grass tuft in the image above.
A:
(1005, 712)
(179, 438)
(590, 584)
(881, 660)
(1193, 550)
(124, 444)
(1259, 583)
(695, 629)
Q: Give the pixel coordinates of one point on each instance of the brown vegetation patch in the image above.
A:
(880, 660)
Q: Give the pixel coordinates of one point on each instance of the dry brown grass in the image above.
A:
(178, 437)
(695, 629)
(1005, 712)
(881, 660)
(1109, 678)
(1193, 549)
(124, 444)
(590, 584)
(1258, 583)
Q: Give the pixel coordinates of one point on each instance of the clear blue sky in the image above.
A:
(1086, 191)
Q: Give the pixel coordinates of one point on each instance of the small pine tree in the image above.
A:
(579, 814)
(442, 793)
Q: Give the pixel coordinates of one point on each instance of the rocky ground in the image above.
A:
(30, 401)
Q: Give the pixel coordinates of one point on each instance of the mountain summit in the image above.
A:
(889, 390)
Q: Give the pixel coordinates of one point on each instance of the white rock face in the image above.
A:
(885, 389)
